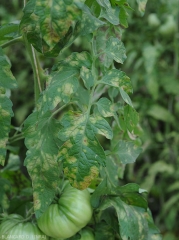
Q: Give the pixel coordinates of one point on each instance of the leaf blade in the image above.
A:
(41, 160)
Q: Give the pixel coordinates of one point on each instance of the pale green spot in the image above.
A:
(71, 159)
(68, 89)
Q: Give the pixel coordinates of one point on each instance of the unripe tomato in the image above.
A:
(169, 27)
(153, 20)
(86, 234)
(13, 227)
(72, 212)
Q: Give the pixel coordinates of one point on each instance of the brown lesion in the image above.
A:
(81, 185)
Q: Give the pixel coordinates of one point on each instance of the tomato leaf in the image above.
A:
(115, 49)
(111, 14)
(131, 118)
(127, 151)
(9, 31)
(81, 152)
(106, 107)
(63, 82)
(41, 160)
(87, 77)
(130, 194)
(125, 97)
(89, 23)
(48, 25)
(7, 81)
(112, 167)
(132, 222)
(100, 126)
(6, 76)
(5, 120)
(4, 189)
(118, 79)
(101, 190)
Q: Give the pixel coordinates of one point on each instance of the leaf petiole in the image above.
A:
(13, 41)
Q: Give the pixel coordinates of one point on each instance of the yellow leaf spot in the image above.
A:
(37, 203)
(71, 159)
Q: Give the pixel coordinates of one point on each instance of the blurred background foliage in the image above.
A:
(152, 44)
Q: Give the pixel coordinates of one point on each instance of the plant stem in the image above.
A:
(99, 91)
(30, 212)
(59, 110)
(15, 136)
(13, 41)
(37, 70)
(16, 139)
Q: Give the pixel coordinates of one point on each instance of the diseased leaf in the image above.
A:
(112, 167)
(132, 222)
(7, 80)
(81, 152)
(63, 85)
(4, 189)
(77, 60)
(115, 49)
(118, 79)
(109, 216)
(153, 231)
(41, 160)
(111, 14)
(131, 118)
(124, 6)
(48, 24)
(134, 199)
(125, 97)
(106, 107)
(89, 23)
(101, 126)
(127, 151)
(64, 80)
(87, 77)
(5, 123)
(81, 98)
(103, 36)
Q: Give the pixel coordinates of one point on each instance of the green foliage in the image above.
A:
(83, 125)
(42, 142)
(153, 65)
(7, 81)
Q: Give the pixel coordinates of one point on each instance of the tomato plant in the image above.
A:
(82, 125)
(65, 218)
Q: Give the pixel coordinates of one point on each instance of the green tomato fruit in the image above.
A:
(153, 20)
(72, 212)
(13, 227)
(169, 27)
(87, 234)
